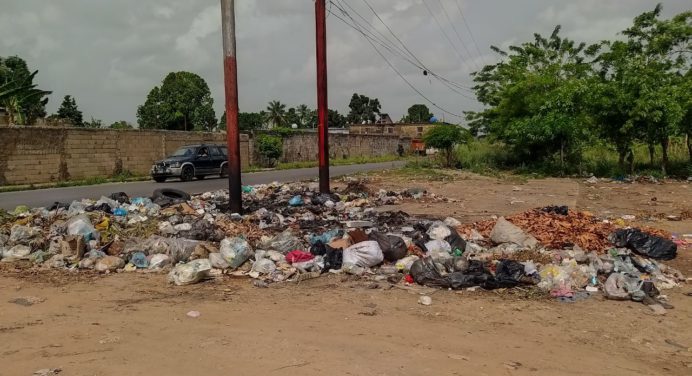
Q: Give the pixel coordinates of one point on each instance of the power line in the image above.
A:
(469, 29)
(356, 26)
(404, 78)
(439, 25)
(454, 27)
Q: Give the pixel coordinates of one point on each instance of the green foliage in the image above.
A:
(93, 123)
(19, 96)
(269, 147)
(418, 113)
(276, 114)
(282, 131)
(122, 124)
(550, 98)
(69, 111)
(183, 102)
(335, 119)
(247, 121)
(363, 109)
(444, 137)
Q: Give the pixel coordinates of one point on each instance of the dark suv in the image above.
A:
(192, 161)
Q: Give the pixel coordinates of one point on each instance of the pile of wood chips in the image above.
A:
(557, 231)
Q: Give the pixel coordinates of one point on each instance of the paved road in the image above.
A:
(46, 197)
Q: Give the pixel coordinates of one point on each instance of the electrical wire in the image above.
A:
(439, 25)
(461, 40)
(473, 39)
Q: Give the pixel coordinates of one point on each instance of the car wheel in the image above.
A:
(160, 179)
(224, 171)
(200, 177)
(187, 174)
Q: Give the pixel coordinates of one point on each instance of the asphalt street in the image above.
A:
(46, 197)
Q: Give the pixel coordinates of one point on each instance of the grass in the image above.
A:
(332, 162)
(497, 160)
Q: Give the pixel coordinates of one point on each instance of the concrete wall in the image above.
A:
(46, 154)
(302, 146)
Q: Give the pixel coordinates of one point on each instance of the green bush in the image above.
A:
(269, 147)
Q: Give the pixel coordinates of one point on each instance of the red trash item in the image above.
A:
(409, 278)
(298, 256)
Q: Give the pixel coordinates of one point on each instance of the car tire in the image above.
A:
(200, 177)
(160, 179)
(224, 171)
(170, 193)
(187, 173)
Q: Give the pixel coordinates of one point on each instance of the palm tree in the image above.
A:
(15, 94)
(303, 114)
(276, 112)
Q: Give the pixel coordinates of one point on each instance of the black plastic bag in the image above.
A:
(104, 207)
(393, 247)
(425, 273)
(644, 244)
(561, 210)
(509, 273)
(456, 242)
(333, 258)
(318, 249)
(321, 198)
(121, 197)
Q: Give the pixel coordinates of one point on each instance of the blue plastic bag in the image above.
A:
(296, 201)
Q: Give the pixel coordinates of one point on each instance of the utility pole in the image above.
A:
(230, 76)
(322, 103)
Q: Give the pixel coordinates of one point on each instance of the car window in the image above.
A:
(214, 151)
(183, 152)
(223, 150)
(203, 152)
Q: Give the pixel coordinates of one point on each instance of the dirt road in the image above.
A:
(136, 324)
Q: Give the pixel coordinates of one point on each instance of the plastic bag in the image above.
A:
(23, 234)
(235, 251)
(296, 201)
(509, 273)
(506, 232)
(438, 249)
(263, 266)
(405, 263)
(18, 252)
(333, 259)
(158, 261)
(366, 254)
(81, 225)
(109, 263)
(614, 287)
(284, 242)
(325, 237)
(438, 231)
(139, 259)
(393, 247)
(217, 261)
(645, 244)
(180, 249)
(192, 272)
(456, 243)
(298, 256)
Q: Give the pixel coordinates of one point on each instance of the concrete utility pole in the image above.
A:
(230, 75)
(322, 103)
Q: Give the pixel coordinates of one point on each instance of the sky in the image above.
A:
(110, 54)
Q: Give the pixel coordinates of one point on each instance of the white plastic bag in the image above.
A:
(192, 272)
(438, 231)
(217, 261)
(158, 261)
(235, 251)
(366, 254)
(505, 232)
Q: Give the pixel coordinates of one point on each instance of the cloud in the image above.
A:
(205, 23)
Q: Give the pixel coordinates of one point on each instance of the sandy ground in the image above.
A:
(136, 324)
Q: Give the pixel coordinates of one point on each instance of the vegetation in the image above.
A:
(19, 95)
(69, 111)
(363, 109)
(183, 102)
(93, 123)
(270, 147)
(445, 137)
(276, 114)
(418, 113)
(552, 100)
(122, 124)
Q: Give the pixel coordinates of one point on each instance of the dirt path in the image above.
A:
(136, 324)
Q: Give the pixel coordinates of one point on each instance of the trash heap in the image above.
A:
(291, 232)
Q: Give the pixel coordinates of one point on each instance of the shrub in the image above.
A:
(269, 147)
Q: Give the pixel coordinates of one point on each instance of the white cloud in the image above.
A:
(205, 23)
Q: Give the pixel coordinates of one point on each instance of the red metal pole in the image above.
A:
(322, 103)
(230, 75)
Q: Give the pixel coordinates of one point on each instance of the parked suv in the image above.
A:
(192, 161)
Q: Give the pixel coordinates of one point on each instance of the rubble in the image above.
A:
(290, 232)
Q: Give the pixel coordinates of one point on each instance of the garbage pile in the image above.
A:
(291, 232)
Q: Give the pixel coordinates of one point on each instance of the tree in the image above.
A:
(335, 119)
(122, 124)
(269, 147)
(418, 113)
(535, 97)
(69, 111)
(93, 123)
(247, 121)
(19, 96)
(292, 117)
(183, 102)
(444, 137)
(363, 109)
(276, 112)
(304, 116)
